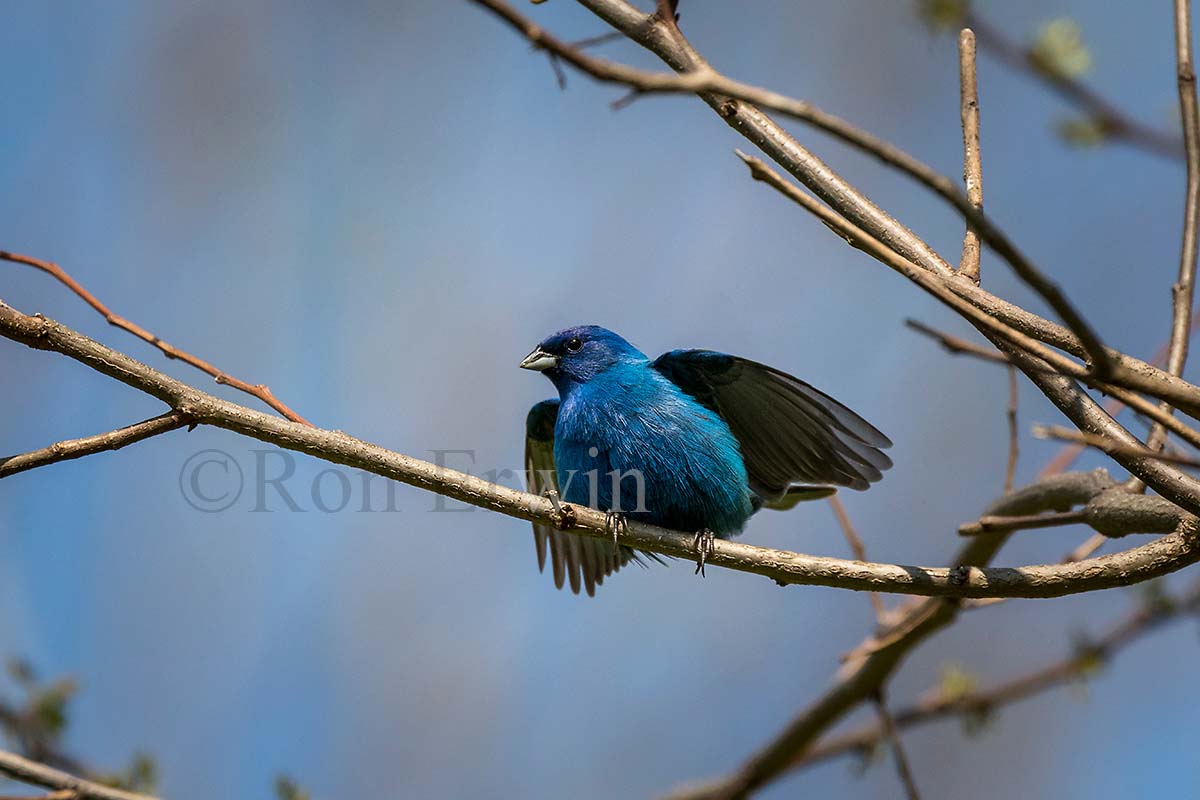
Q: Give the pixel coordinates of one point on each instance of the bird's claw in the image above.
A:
(615, 524)
(704, 543)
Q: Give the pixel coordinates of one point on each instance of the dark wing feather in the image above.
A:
(579, 560)
(789, 432)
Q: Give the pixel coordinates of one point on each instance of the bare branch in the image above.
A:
(1108, 445)
(936, 704)
(1112, 121)
(1120, 397)
(737, 104)
(77, 448)
(972, 166)
(1184, 287)
(956, 345)
(983, 321)
(1167, 554)
(1189, 113)
(903, 767)
(1010, 468)
(871, 664)
(170, 351)
(856, 547)
(24, 770)
(994, 524)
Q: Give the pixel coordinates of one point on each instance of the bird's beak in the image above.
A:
(539, 360)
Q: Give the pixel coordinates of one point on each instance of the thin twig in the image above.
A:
(170, 351)
(888, 726)
(594, 41)
(991, 523)
(1120, 398)
(24, 770)
(956, 345)
(101, 442)
(972, 166)
(1112, 121)
(857, 548)
(1184, 287)
(1085, 550)
(936, 704)
(60, 794)
(1010, 469)
(1109, 446)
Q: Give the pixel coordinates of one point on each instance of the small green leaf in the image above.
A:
(1083, 132)
(956, 682)
(1059, 51)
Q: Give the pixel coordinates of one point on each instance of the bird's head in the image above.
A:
(576, 355)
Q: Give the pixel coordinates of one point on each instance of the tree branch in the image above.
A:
(868, 667)
(938, 704)
(977, 316)
(1115, 123)
(1165, 555)
(903, 767)
(1010, 468)
(77, 448)
(170, 351)
(857, 548)
(968, 267)
(737, 104)
(1108, 446)
(1120, 397)
(1010, 524)
(24, 770)
(1184, 288)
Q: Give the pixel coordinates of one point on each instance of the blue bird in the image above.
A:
(694, 440)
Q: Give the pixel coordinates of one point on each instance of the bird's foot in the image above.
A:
(704, 543)
(615, 523)
(564, 515)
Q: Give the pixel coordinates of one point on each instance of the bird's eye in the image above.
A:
(573, 344)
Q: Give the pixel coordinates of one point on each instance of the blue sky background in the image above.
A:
(377, 208)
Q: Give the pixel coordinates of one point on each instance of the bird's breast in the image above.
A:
(660, 457)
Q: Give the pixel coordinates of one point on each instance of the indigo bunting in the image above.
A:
(700, 439)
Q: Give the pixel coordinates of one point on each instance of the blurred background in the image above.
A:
(377, 208)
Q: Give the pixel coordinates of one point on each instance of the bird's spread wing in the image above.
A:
(580, 559)
(789, 432)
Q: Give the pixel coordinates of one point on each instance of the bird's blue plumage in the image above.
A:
(632, 421)
(698, 440)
